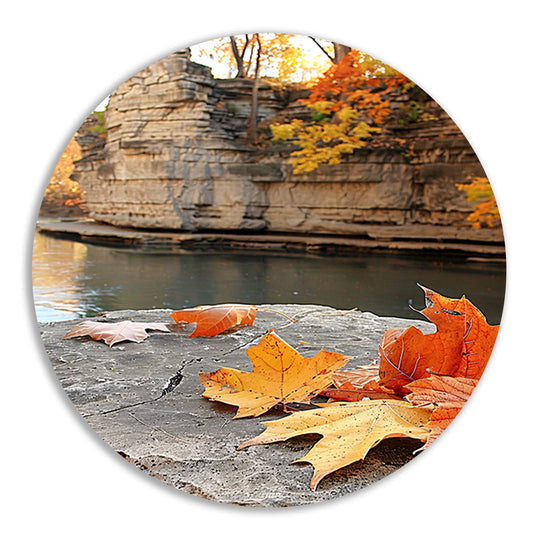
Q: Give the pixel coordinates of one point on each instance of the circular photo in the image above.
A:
(268, 270)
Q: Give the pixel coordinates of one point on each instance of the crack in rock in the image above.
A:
(173, 383)
(175, 380)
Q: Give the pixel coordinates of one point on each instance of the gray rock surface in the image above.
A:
(145, 400)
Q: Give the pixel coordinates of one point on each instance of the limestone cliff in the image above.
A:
(176, 157)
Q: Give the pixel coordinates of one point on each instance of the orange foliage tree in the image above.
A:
(348, 104)
(62, 194)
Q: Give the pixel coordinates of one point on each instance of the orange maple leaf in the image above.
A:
(111, 333)
(280, 375)
(449, 395)
(214, 319)
(461, 346)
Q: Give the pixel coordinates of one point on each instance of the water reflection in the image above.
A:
(73, 279)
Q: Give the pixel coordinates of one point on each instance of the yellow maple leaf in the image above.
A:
(280, 375)
(348, 429)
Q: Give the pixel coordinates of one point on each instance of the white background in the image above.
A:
(60, 59)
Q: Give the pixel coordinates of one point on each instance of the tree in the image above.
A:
(347, 104)
(273, 55)
(62, 194)
(284, 56)
(485, 213)
(252, 121)
(339, 51)
(239, 55)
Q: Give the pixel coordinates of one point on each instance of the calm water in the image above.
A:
(73, 279)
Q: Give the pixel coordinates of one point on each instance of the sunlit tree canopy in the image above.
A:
(287, 57)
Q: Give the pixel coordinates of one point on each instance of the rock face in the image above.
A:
(176, 157)
(145, 401)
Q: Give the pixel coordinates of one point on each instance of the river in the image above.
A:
(73, 280)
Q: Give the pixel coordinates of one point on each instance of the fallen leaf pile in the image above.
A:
(359, 384)
(420, 384)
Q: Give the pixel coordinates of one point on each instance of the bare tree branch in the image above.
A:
(331, 58)
(340, 50)
(239, 56)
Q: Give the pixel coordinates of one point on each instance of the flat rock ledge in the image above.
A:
(145, 400)
(482, 244)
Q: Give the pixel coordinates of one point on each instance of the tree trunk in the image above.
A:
(239, 56)
(252, 121)
(340, 51)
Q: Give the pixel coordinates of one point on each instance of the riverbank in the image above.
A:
(477, 245)
(145, 401)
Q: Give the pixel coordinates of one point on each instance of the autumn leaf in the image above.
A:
(214, 319)
(447, 393)
(359, 377)
(359, 384)
(349, 431)
(478, 336)
(460, 347)
(112, 333)
(280, 375)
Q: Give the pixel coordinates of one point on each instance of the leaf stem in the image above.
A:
(280, 313)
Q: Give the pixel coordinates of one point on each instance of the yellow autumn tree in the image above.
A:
(479, 192)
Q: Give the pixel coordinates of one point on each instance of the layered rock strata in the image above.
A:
(177, 157)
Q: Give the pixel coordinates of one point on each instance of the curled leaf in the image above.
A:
(461, 346)
(214, 319)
